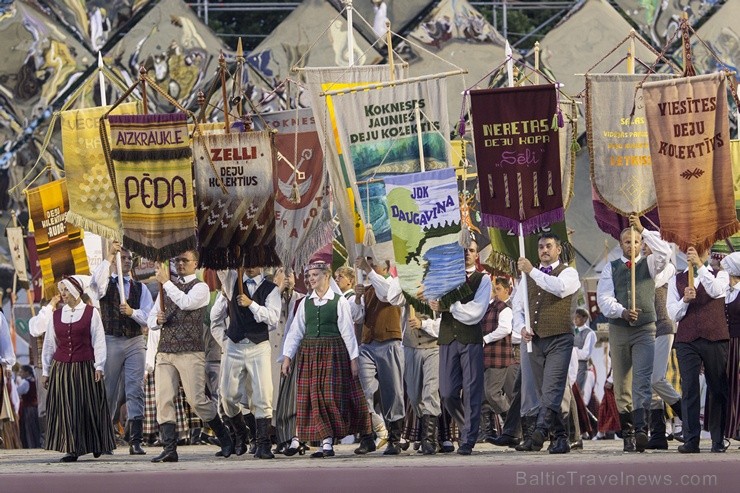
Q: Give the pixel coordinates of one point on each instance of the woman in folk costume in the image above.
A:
(78, 421)
(731, 264)
(329, 399)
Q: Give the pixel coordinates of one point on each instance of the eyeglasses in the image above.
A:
(183, 260)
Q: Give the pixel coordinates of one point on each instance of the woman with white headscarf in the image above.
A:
(731, 264)
(78, 421)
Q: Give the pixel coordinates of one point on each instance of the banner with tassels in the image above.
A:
(618, 147)
(59, 244)
(688, 123)
(733, 242)
(93, 205)
(425, 222)
(517, 148)
(568, 148)
(301, 184)
(17, 249)
(505, 247)
(379, 128)
(236, 203)
(152, 173)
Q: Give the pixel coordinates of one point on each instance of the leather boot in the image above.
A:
(628, 432)
(395, 428)
(640, 421)
(676, 408)
(224, 437)
(528, 424)
(241, 434)
(542, 431)
(263, 439)
(252, 435)
(367, 445)
(561, 444)
(429, 434)
(168, 437)
(658, 440)
(137, 433)
(486, 429)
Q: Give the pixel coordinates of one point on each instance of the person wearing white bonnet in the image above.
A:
(74, 354)
(731, 264)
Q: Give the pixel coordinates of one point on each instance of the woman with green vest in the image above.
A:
(329, 399)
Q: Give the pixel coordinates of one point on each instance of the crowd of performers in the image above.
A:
(264, 369)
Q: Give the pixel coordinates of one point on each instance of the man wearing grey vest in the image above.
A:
(549, 295)
(125, 344)
(461, 352)
(632, 329)
(246, 366)
(181, 353)
(701, 341)
(381, 353)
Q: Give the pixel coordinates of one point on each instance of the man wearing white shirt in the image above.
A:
(701, 340)
(584, 341)
(632, 328)
(550, 291)
(461, 352)
(246, 363)
(181, 353)
(122, 321)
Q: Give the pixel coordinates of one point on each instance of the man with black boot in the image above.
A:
(632, 328)
(461, 352)
(701, 341)
(125, 344)
(381, 353)
(181, 353)
(247, 362)
(549, 296)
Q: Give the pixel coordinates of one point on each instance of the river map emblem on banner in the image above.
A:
(690, 149)
(379, 129)
(424, 217)
(58, 244)
(152, 171)
(236, 223)
(517, 151)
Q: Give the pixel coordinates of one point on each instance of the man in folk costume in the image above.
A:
(585, 341)
(550, 291)
(701, 340)
(247, 355)
(632, 328)
(122, 321)
(461, 352)
(381, 352)
(181, 353)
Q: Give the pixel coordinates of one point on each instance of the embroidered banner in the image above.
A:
(17, 249)
(318, 80)
(568, 140)
(517, 150)
(618, 146)
(34, 266)
(58, 244)
(690, 150)
(236, 225)
(302, 215)
(380, 130)
(424, 216)
(153, 177)
(93, 205)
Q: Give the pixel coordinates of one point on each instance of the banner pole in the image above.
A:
(523, 286)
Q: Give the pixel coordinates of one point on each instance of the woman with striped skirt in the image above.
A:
(731, 264)
(78, 421)
(329, 399)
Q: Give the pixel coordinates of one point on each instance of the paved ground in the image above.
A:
(601, 467)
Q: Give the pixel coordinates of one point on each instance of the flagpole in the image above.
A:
(633, 267)
(537, 62)
(222, 74)
(523, 286)
(350, 37)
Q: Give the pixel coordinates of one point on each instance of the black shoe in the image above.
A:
(392, 449)
(68, 458)
(561, 446)
(280, 448)
(641, 441)
(224, 436)
(263, 452)
(465, 449)
(447, 449)
(689, 448)
(538, 439)
(367, 445)
(323, 453)
(720, 447)
(679, 436)
(166, 456)
(404, 445)
(300, 450)
(657, 442)
(504, 441)
(135, 449)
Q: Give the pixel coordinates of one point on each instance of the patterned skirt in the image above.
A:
(608, 412)
(583, 422)
(186, 419)
(732, 428)
(329, 400)
(77, 417)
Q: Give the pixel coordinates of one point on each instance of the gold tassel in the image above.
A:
(369, 239)
(506, 191)
(490, 186)
(549, 184)
(536, 190)
(295, 194)
(521, 196)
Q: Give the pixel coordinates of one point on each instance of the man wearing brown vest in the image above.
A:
(632, 328)
(701, 339)
(125, 344)
(181, 353)
(381, 353)
(461, 352)
(550, 291)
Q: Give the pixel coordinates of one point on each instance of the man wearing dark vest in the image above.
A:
(181, 353)
(246, 367)
(549, 294)
(461, 352)
(584, 343)
(381, 353)
(701, 340)
(632, 329)
(125, 343)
